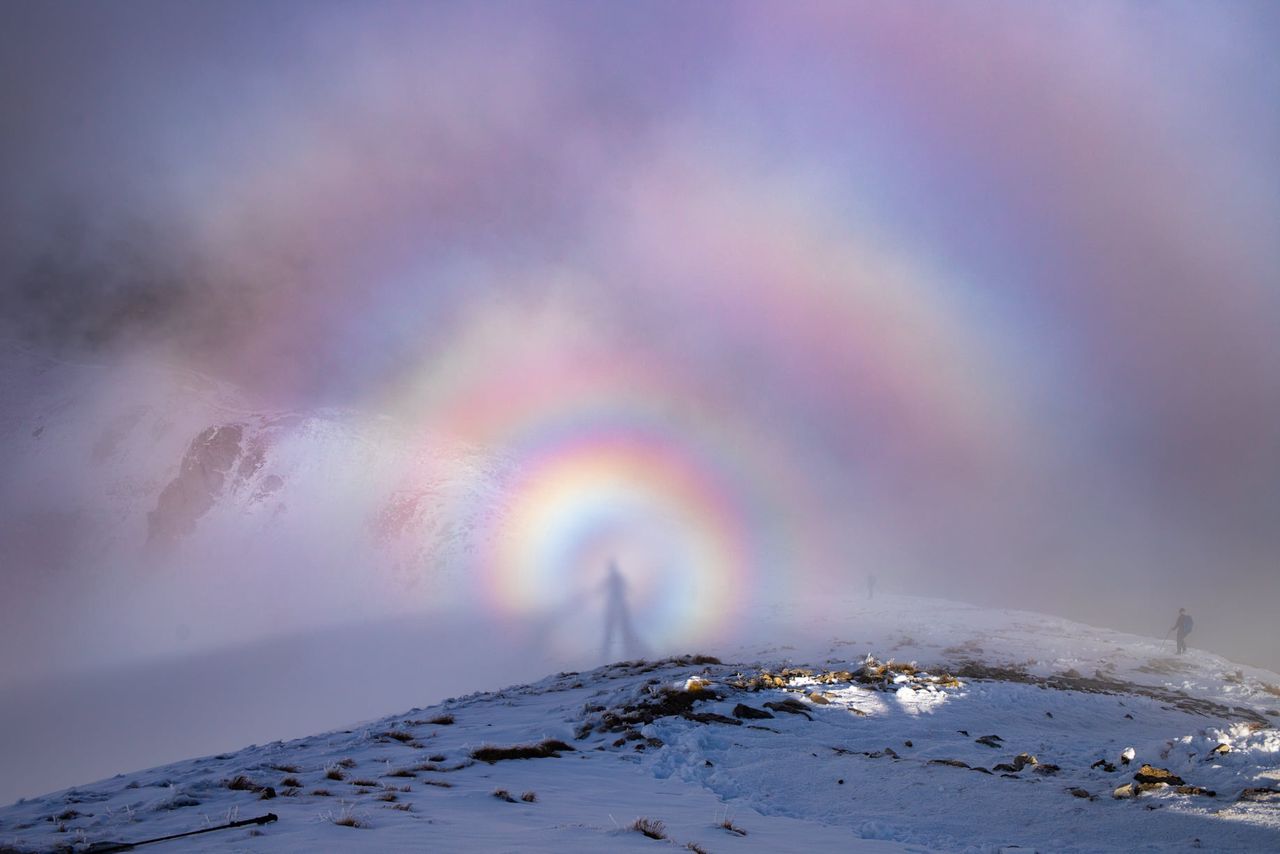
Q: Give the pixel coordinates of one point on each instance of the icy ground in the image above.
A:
(1007, 734)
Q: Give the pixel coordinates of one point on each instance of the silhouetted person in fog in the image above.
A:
(871, 587)
(1183, 628)
(617, 617)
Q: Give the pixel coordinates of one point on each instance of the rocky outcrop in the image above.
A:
(201, 479)
(1152, 774)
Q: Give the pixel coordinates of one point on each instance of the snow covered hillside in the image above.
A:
(907, 724)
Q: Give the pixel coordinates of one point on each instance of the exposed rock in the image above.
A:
(744, 711)
(820, 699)
(1262, 794)
(1080, 793)
(1022, 760)
(1196, 790)
(990, 741)
(888, 751)
(1219, 750)
(1046, 768)
(953, 763)
(711, 718)
(1151, 774)
(1104, 765)
(790, 706)
(1125, 791)
(201, 479)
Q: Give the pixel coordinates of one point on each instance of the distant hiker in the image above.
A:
(617, 617)
(1183, 628)
(871, 586)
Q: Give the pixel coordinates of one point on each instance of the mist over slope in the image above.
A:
(160, 512)
(168, 516)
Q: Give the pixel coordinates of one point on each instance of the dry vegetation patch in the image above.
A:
(552, 747)
(650, 827)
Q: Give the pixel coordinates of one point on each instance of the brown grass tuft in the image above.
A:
(551, 747)
(650, 827)
(241, 783)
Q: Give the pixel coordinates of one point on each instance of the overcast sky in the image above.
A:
(997, 285)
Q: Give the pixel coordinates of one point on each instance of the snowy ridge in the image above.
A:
(1007, 733)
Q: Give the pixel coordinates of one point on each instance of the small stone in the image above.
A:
(1125, 791)
(1080, 793)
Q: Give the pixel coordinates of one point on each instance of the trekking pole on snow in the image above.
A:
(111, 847)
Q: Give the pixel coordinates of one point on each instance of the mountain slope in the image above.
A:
(810, 744)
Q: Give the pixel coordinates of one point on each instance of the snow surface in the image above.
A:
(872, 765)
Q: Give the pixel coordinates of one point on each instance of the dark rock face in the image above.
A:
(744, 711)
(201, 479)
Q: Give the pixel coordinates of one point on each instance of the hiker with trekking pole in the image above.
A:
(1183, 628)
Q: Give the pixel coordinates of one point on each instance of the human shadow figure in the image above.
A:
(617, 618)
